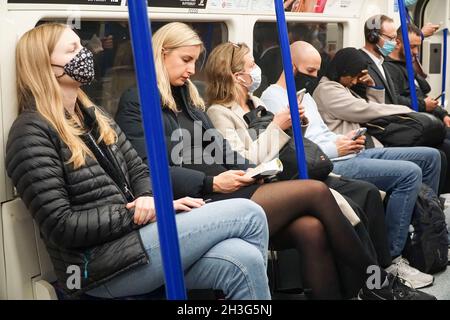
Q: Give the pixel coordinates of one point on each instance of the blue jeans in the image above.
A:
(400, 172)
(223, 246)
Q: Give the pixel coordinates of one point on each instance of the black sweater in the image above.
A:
(399, 74)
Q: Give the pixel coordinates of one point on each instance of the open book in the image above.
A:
(266, 170)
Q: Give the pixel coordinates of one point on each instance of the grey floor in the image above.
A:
(441, 287)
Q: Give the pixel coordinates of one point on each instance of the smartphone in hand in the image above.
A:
(359, 133)
(440, 96)
(301, 95)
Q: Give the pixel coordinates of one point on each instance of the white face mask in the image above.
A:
(256, 76)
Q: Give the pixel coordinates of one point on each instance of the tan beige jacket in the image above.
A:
(229, 120)
(344, 111)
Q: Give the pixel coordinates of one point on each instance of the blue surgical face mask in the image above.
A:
(387, 48)
(410, 3)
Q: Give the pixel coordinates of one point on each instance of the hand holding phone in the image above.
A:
(359, 133)
(301, 95)
(440, 96)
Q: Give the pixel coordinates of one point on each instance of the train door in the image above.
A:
(437, 12)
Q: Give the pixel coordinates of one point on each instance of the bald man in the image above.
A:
(392, 170)
(306, 62)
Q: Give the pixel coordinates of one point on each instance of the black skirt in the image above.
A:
(243, 193)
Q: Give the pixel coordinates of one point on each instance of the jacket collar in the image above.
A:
(389, 59)
(90, 118)
(193, 112)
(237, 109)
(372, 57)
(386, 81)
(374, 67)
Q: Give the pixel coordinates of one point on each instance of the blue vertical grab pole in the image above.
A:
(444, 68)
(408, 55)
(156, 149)
(289, 73)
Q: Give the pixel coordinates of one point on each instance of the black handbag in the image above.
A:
(318, 163)
(408, 130)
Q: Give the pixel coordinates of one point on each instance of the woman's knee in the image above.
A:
(256, 214)
(253, 209)
(238, 256)
(310, 231)
(243, 208)
(314, 189)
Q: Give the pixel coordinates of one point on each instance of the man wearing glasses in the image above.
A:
(381, 35)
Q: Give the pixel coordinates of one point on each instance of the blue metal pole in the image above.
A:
(156, 148)
(444, 68)
(408, 55)
(290, 82)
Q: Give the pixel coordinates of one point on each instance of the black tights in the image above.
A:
(305, 216)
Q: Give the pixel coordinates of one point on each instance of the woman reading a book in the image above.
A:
(301, 214)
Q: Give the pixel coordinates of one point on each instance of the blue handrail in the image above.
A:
(156, 148)
(444, 68)
(290, 82)
(408, 55)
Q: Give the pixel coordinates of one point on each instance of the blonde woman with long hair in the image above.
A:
(301, 214)
(90, 195)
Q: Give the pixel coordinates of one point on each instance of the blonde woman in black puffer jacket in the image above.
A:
(90, 193)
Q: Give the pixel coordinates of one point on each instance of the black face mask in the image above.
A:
(308, 82)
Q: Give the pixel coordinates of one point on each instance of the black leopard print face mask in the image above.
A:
(80, 68)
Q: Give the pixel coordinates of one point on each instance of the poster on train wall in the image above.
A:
(314, 6)
(334, 7)
(343, 7)
(230, 4)
(88, 2)
(196, 4)
(263, 5)
(330, 7)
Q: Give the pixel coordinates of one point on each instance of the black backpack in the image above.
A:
(408, 130)
(427, 248)
(318, 164)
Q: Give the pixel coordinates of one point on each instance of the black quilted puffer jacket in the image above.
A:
(81, 213)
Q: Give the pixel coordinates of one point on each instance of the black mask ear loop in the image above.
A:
(64, 73)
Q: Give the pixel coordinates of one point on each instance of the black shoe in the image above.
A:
(393, 290)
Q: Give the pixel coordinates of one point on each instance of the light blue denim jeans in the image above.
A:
(223, 247)
(400, 172)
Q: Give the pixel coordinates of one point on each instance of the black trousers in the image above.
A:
(365, 199)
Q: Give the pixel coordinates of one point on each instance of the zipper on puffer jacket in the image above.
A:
(86, 258)
(125, 186)
(126, 189)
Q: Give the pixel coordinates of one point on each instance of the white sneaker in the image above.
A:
(412, 277)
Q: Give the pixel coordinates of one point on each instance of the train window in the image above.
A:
(326, 37)
(110, 42)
